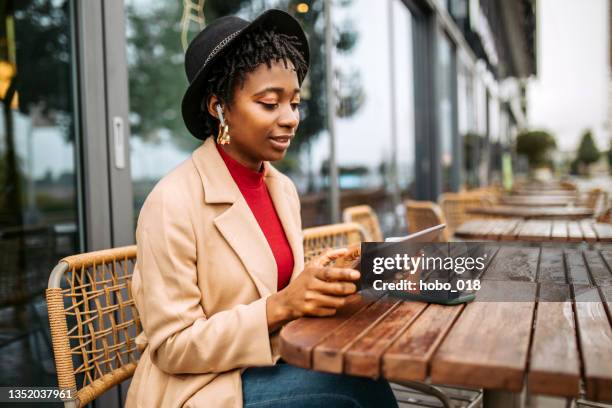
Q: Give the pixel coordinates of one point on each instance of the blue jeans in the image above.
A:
(285, 385)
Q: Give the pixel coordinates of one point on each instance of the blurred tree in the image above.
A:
(587, 151)
(536, 145)
(473, 144)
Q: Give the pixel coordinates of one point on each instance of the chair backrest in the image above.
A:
(597, 200)
(606, 216)
(567, 185)
(365, 216)
(94, 321)
(318, 239)
(424, 214)
(454, 206)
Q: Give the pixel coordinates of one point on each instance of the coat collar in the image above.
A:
(237, 223)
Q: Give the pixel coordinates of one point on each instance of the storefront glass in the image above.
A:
(39, 216)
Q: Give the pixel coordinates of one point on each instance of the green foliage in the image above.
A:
(473, 144)
(536, 145)
(587, 151)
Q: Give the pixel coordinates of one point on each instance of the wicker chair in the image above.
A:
(318, 239)
(606, 216)
(424, 214)
(365, 216)
(593, 198)
(94, 322)
(454, 207)
(568, 185)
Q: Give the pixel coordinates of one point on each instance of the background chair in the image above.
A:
(424, 214)
(455, 205)
(606, 216)
(94, 322)
(365, 216)
(597, 200)
(318, 239)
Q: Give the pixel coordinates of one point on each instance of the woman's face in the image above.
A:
(263, 116)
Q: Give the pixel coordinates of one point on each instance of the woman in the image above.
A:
(220, 260)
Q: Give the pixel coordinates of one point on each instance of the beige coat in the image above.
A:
(204, 271)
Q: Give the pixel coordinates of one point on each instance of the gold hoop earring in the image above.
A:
(223, 137)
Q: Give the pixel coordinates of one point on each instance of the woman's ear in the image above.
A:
(211, 105)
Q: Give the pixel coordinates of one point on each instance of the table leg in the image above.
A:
(503, 399)
(428, 389)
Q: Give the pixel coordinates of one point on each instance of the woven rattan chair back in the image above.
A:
(606, 216)
(93, 321)
(318, 239)
(365, 216)
(421, 215)
(455, 205)
(593, 198)
(568, 185)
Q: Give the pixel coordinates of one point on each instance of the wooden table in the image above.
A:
(490, 345)
(540, 192)
(537, 200)
(532, 212)
(535, 230)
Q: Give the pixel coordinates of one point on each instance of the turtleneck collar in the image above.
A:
(242, 175)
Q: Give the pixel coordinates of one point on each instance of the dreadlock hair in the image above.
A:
(255, 48)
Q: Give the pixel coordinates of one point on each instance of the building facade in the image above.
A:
(428, 98)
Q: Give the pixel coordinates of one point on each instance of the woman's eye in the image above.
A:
(269, 106)
(295, 105)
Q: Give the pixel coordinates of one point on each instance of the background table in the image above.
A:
(491, 345)
(535, 230)
(533, 212)
(544, 192)
(537, 200)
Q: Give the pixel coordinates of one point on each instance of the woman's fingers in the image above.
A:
(328, 256)
(337, 274)
(337, 288)
(316, 300)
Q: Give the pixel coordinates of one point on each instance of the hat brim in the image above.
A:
(191, 104)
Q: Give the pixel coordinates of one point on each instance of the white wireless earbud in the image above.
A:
(220, 113)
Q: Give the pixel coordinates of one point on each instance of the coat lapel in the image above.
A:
(237, 224)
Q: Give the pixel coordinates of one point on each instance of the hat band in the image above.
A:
(220, 46)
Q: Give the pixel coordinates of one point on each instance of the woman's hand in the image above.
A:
(318, 291)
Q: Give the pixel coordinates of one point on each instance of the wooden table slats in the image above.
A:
(555, 334)
(408, 357)
(488, 345)
(535, 230)
(514, 211)
(595, 336)
(554, 366)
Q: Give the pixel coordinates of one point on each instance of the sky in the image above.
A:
(572, 89)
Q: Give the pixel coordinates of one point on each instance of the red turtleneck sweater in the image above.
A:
(255, 192)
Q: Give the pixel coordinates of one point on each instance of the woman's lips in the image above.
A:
(280, 142)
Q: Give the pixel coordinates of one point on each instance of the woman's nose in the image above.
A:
(289, 117)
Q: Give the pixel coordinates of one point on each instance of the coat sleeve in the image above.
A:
(182, 339)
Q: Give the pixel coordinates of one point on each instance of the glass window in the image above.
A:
(444, 77)
(467, 121)
(404, 97)
(369, 112)
(156, 35)
(38, 187)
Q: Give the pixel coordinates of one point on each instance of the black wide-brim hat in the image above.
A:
(209, 45)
